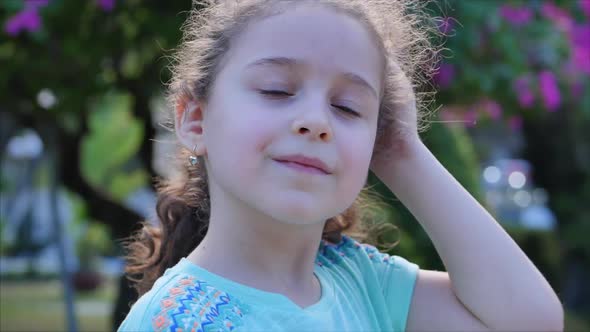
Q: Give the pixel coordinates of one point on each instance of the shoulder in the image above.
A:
(362, 254)
(389, 279)
(330, 253)
(394, 275)
(184, 302)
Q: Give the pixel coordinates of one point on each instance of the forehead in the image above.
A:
(327, 41)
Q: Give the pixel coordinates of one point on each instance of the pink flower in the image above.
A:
(28, 19)
(445, 75)
(580, 51)
(470, 118)
(516, 15)
(515, 123)
(558, 16)
(580, 35)
(581, 58)
(526, 98)
(585, 6)
(549, 90)
(106, 5)
(492, 108)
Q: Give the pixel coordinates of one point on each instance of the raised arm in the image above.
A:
(491, 284)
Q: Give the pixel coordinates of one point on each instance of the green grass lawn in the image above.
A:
(576, 323)
(39, 306)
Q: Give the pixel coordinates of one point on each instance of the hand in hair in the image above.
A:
(401, 133)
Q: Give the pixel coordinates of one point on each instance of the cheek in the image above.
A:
(356, 152)
(357, 148)
(240, 137)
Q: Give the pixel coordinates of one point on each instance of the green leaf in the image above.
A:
(131, 66)
(13, 5)
(123, 184)
(7, 50)
(115, 137)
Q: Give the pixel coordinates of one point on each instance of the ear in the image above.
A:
(188, 122)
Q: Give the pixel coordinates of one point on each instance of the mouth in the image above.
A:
(300, 167)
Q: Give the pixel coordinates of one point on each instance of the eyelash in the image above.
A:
(279, 93)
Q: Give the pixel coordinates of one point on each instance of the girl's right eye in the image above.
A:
(275, 93)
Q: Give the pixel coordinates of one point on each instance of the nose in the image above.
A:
(314, 124)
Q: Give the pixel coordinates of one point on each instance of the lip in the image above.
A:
(305, 161)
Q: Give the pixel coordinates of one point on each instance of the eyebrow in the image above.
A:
(294, 63)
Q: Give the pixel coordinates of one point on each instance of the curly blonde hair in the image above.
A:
(403, 33)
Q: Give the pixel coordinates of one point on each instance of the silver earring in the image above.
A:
(192, 158)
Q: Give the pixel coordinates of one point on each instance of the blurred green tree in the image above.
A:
(81, 74)
(84, 73)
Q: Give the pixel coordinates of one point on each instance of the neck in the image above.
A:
(255, 249)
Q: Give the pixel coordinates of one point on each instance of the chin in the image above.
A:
(301, 214)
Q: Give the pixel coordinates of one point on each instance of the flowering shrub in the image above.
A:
(506, 60)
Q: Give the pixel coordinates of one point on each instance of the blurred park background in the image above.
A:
(81, 102)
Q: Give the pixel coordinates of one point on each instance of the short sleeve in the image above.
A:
(397, 278)
(135, 320)
(387, 281)
(143, 315)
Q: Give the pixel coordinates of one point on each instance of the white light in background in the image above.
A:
(28, 145)
(492, 174)
(516, 180)
(522, 198)
(46, 99)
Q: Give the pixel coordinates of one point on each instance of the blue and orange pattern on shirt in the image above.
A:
(194, 305)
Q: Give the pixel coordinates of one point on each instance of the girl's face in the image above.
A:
(305, 82)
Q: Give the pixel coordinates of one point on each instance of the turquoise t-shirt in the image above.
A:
(362, 290)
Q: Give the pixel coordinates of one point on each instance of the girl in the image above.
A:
(281, 108)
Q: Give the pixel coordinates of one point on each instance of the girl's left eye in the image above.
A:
(275, 93)
(347, 110)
